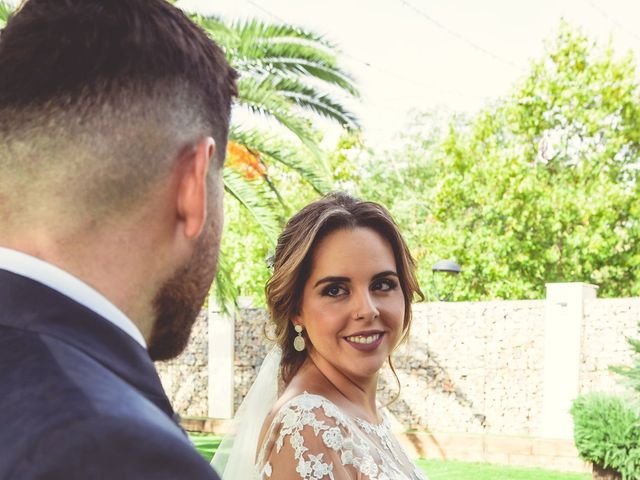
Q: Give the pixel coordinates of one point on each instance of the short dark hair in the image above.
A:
(293, 257)
(72, 65)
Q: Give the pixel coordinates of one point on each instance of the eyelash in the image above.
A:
(389, 283)
(326, 292)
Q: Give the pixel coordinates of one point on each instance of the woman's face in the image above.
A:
(353, 306)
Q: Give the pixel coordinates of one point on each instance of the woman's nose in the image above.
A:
(365, 307)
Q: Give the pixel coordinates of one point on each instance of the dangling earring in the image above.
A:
(298, 342)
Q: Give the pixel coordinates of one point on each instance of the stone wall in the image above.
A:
(473, 367)
(186, 378)
(606, 324)
(467, 367)
(252, 345)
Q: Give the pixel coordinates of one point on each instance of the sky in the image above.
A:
(451, 55)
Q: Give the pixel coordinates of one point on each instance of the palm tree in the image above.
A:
(288, 77)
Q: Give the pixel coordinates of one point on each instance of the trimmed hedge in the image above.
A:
(607, 432)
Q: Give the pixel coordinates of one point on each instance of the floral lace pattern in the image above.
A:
(313, 437)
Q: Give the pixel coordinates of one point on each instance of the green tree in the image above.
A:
(540, 187)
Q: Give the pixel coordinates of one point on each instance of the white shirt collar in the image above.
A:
(70, 286)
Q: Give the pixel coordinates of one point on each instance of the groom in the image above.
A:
(114, 117)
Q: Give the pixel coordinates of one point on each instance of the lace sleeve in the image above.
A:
(308, 440)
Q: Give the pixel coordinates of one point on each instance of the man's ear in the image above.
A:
(192, 186)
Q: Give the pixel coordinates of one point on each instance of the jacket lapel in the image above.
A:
(28, 305)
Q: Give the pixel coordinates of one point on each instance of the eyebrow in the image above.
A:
(331, 279)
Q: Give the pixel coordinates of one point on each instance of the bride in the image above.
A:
(340, 300)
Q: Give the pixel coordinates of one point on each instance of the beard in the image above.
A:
(179, 300)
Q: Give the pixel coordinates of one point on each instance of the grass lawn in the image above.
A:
(437, 469)
(453, 470)
(206, 444)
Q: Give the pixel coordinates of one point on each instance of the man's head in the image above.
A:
(105, 106)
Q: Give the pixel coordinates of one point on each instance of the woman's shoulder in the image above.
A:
(309, 405)
(310, 420)
(305, 439)
(296, 410)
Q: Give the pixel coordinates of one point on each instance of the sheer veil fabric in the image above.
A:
(235, 457)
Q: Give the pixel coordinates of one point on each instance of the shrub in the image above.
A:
(607, 432)
(632, 373)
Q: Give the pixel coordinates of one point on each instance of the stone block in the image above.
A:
(554, 447)
(509, 445)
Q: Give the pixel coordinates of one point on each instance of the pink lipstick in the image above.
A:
(365, 341)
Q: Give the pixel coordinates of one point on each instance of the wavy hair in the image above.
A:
(292, 264)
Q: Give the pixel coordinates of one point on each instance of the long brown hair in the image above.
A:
(294, 252)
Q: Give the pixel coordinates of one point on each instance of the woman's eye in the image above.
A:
(334, 291)
(384, 284)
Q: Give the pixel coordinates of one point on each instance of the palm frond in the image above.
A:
(260, 97)
(224, 288)
(5, 12)
(316, 70)
(310, 98)
(251, 199)
(259, 47)
(254, 47)
(296, 60)
(224, 35)
(254, 28)
(288, 75)
(273, 148)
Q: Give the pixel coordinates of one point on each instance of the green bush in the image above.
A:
(607, 432)
(632, 374)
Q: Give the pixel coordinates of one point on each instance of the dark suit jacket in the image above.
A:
(79, 398)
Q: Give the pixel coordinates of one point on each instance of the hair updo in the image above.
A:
(294, 253)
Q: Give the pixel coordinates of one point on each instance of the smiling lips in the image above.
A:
(365, 341)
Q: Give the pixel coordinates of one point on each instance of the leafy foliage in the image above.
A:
(248, 248)
(607, 432)
(5, 13)
(632, 373)
(607, 427)
(540, 187)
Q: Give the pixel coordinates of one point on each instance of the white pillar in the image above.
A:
(221, 360)
(564, 313)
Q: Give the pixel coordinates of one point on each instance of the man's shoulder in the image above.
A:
(65, 415)
(47, 381)
(110, 446)
(46, 369)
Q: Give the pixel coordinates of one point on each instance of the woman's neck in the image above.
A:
(358, 392)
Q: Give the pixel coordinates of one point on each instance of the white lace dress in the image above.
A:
(310, 435)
